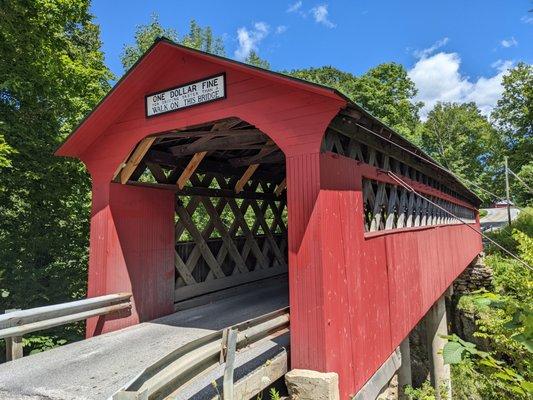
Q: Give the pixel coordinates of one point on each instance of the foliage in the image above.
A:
(254, 59)
(504, 236)
(202, 39)
(5, 151)
(424, 392)
(505, 378)
(514, 115)
(52, 73)
(274, 394)
(386, 91)
(504, 320)
(145, 35)
(462, 140)
(197, 38)
(482, 213)
(469, 384)
(521, 191)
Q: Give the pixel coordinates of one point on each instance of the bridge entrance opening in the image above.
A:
(230, 203)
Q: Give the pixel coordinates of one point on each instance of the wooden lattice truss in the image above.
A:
(390, 206)
(229, 180)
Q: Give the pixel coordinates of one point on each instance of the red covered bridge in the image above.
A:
(208, 174)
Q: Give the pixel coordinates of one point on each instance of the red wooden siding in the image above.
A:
(132, 250)
(377, 286)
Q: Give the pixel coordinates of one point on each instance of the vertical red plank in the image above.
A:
(132, 250)
(305, 267)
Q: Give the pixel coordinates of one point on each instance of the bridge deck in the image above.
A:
(97, 367)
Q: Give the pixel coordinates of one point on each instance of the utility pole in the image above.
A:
(507, 194)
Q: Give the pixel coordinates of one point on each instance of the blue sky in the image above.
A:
(454, 50)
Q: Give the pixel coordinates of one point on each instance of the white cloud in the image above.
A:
(509, 42)
(281, 29)
(250, 39)
(294, 7)
(320, 14)
(430, 50)
(438, 78)
(527, 19)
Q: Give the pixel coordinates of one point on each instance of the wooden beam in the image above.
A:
(281, 187)
(272, 155)
(208, 192)
(135, 159)
(245, 177)
(191, 167)
(373, 387)
(207, 166)
(202, 133)
(211, 142)
(157, 172)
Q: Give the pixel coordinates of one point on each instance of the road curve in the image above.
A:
(496, 218)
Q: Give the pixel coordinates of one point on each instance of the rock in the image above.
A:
(304, 384)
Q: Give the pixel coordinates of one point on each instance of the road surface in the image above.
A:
(96, 368)
(496, 218)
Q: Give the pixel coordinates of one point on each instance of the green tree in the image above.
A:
(385, 91)
(521, 186)
(462, 139)
(145, 35)
(202, 39)
(198, 38)
(52, 73)
(388, 93)
(254, 59)
(513, 115)
(5, 151)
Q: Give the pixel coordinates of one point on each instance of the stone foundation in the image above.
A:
(476, 276)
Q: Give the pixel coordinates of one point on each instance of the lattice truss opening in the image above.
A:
(231, 214)
(388, 206)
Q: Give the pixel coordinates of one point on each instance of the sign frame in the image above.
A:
(222, 74)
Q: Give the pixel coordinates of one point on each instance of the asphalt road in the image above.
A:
(496, 218)
(96, 368)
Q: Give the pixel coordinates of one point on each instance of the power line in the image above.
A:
(409, 188)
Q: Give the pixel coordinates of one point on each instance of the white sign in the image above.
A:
(191, 94)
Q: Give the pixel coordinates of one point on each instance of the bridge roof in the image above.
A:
(115, 102)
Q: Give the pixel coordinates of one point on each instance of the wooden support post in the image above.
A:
(281, 187)
(245, 177)
(135, 159)
(191, 167)
(14, 349)
(436, 328)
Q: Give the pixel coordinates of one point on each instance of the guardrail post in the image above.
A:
(13, 344)
(227, 387)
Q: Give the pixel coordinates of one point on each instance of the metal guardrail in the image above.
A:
(173, 371)
(16, 323)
